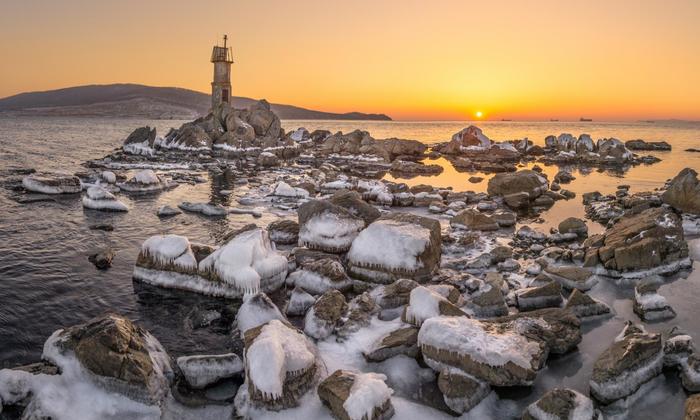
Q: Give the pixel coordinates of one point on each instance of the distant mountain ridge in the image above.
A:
(140, 101)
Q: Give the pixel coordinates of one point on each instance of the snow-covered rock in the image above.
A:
(648, 304)
(284, 232)
(144, 181)
(201, 371)
(426, 303)
(537, 297)
(582, 305)
(398, 245)
(206, 209)
(167, 211)
(282, 189)
(52, 183)
(572, 277)
(357, 396)
(98, 198)
(299, 302)
(461, 392)
(562, 404)
(325, 314)
(401, 341)
(327, 227)
(256, 310)
(321, 275)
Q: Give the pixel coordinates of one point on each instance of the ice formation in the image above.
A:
(203, 370)
(98, 198)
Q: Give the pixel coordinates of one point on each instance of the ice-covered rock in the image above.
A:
(357, 396)
(487, 302)
(426, 303)
(648, 304)
(677, 348)
(633, 359)
(683, 193)
(284, 232)
(206, 209)
(281, 365)
(98, 198)
(299, 302)
(282, 189)
(201, 371)
(246, 263)
(613, 151)
(582, 305)
(401, 341)
(395, 294)
(52, 183)
(398, 245)
(141, 141)
(324, 315)
(327, 227)
(256, 310)
(470, 138)
(690, 373)
(144, 181)
(537, 297)
(321, 275)
(359, 315)
(108, 177)
(562, 404)
(167, 211)
(461, 392)
(352, 201)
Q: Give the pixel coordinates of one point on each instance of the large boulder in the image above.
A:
(189, 137)
(327, 227)
(469, 138)
(398, 245)
(356, 396)
(562, 404)
(265, 123)
(683, 193)
(144, 181)
(524, 180)
(120, 356)
(650, 240)
(281, 365)
(461, 392)
(353, 202)
(474, 220)
(400, 147)
(428, 302)
(319, 276)
(613, 151)
(142, 135)
(633, 359)
(647, 145)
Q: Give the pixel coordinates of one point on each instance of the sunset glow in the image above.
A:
(408, 59)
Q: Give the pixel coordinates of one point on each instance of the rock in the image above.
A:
(281, 365)
(562, 404)
(122, 357)
(539, 297)
(651, 240)
(284, 232)
(52, 183)
(613, 151)
(559, 330)
(683, 193)
(402, 167)
(268, 160)
(477, 349)
(426, 303)
(98, 198)
(582, 305)
(324, 315)
(144, 135)
(475, 179)
(518, 200)
(648, 304)
(265, 122)
(205, 209)
(461, 392)
(690, 374)
(525, 180)
(321, 275)
(572, 277)
(353, 202)
(573, 225)
(145, 181)
(633, 359)
(474, 220)
(692, 408)
(167, 211)
(469, 138)
(203, 370)
(256, 310)
(395, 294)
(327, 227)
(356, 396)
(396, 148)
(504, 218)
(563, 177)
(299, 302)
(647, 145)
(488, 302)
(402, 341)
(190, 137)
(397, 245)
(102, 259)
(677, 348)
(359, 315)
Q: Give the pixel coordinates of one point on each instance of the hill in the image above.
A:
(139, 101)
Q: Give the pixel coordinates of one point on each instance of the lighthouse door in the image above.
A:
(224, 95)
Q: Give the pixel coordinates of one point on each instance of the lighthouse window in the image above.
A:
(224, 95)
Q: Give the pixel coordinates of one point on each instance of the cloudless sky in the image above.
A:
(439, 59)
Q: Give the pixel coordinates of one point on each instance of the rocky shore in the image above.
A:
(359, 280)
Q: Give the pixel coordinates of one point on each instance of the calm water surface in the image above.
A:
(46, 281)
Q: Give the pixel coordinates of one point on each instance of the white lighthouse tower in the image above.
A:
(222, 57)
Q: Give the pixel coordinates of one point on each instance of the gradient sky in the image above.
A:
(438, 59)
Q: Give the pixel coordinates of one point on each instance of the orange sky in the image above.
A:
(437, 59)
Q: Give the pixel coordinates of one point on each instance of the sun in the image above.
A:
(479, 114)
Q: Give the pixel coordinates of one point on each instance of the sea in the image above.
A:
(47, 282)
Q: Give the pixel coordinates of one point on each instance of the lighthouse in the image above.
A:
(222, 57)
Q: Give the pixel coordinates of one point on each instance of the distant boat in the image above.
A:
(553, 120)
(503, 119)
(585, 119)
